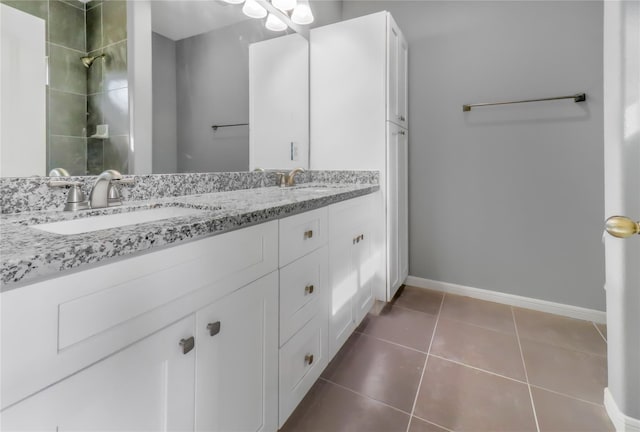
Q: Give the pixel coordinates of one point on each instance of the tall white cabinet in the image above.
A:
(359, 121)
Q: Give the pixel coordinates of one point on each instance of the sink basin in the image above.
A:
(96, 223)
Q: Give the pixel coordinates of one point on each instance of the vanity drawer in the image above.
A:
(301, 234)
(54, 328)
(302, 360)
(303, 292)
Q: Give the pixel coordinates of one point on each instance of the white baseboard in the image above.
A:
(511, 299)
(621, 421)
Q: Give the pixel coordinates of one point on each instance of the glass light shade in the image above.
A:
(284, 5)
(302, 14)
(274, 23)
(253, 10)
(234, 1)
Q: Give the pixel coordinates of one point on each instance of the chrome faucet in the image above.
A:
(291, 177)
(99, 196)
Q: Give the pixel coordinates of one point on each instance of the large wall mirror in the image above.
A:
(225, 93)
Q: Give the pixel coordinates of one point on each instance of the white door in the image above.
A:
(23, 114)
(146, 387)
(622, 198)
(237, 360)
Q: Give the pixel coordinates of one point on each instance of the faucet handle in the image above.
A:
(124, 181)
(281, 179)
(75, 197)
(63, 183)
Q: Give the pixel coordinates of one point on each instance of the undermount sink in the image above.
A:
(96, 223)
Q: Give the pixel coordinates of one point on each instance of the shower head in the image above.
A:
(87, 61)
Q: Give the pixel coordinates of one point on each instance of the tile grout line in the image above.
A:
(479, 369)
(413, 310)
(424, 367)
(480, 326)
(567, 396)
(435, 424)
(390, 342)
(599, 332)
(362, 395)
(526, 375)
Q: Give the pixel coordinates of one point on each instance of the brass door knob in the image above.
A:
(622, 227)
(308, 289)
(308, 359)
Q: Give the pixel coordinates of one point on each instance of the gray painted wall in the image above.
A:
(213, 88)
(165, 120)
(506, 198)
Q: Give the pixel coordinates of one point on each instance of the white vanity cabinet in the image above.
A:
(227, 333)
(147, 386)
(360, 66)
(100, 348)
(354, 261)
(236, 383)
(304, 294)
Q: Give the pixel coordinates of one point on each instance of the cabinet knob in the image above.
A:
(402, 133)
(308, 359)
(402, 118)
(308, 289)
(214, 328)
(187, 344)
(308, 234)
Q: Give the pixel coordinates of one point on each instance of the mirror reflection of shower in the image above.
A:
(87, 61)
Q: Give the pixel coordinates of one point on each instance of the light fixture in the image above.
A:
(234, 1)
(253, 10)
(274, 23)
(302, 13)
(284, 5)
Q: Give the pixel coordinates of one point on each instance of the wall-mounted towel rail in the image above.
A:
(215, 127)
(579, 97)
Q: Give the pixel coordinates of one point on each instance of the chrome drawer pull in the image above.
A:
(308, 359)
(308, 234)
(187, 344)
(308, 289)
(214, 328)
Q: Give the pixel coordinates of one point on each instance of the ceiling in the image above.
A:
(179, 19)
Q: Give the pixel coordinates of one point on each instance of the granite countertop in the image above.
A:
(30, 255)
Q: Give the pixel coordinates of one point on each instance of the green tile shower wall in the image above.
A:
(107, 85)
(79, 98)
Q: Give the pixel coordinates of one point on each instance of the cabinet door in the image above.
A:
(397, 57)
(148, 386)
(365, 268)
(342, 276)
(237, 361)
(403, 81)
(352, 267)
(403, 204)
(397, 209)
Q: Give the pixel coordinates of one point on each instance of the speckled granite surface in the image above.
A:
(28, 255)
(25, 194)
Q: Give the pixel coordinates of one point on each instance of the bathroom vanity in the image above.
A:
(214, 320)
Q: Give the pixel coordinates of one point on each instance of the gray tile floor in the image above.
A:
(430, 362)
